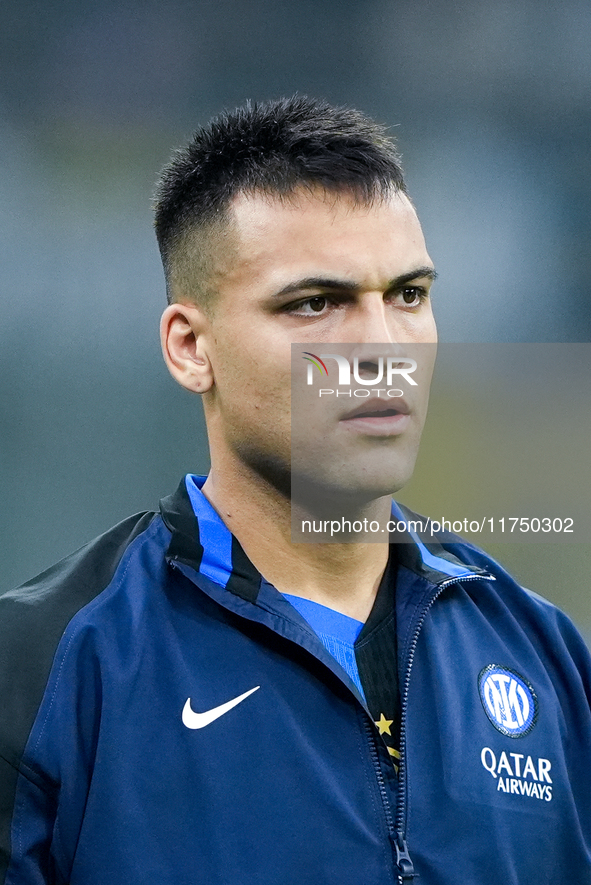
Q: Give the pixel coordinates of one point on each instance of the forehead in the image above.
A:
(315, 232)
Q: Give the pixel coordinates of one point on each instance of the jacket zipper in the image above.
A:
(404, 867)
(397, 827)
(380, 777)
(404, 862)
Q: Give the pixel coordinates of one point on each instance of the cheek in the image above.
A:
(253, 396)
(422, 329)
(235, 362)
(429, 326)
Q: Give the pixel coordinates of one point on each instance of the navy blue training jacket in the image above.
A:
(116, 765)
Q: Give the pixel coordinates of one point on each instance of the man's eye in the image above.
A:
(310, 306)
(317, 303)
(413, 295)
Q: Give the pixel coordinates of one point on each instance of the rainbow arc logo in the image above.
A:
(316, 361)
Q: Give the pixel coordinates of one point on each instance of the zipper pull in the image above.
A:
(406, 870)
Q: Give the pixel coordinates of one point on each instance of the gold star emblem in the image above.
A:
(384, 724)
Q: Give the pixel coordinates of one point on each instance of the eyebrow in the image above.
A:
(337, 285)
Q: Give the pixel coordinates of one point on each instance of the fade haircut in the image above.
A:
(271, 148)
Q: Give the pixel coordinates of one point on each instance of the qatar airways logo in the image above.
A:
(518, 774)
(387, 370)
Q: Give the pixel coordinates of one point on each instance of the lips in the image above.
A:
(378, 417)
(376, 407)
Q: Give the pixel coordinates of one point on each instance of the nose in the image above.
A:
(372, 323)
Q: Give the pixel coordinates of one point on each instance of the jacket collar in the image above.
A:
(201, 540)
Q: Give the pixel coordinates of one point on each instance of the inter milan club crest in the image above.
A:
(508, 699)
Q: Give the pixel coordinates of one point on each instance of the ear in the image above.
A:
(183, 335)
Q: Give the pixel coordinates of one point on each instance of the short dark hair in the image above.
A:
(271, 147)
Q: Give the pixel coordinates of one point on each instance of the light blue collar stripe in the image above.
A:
(215, 537)
(326, 620)
(337, 633)
(434, 562)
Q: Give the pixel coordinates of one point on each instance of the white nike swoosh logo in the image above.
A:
(200, 720)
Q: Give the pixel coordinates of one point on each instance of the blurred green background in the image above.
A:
(491, 106)
(507, 435)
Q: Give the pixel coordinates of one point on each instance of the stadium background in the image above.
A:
(492, 108)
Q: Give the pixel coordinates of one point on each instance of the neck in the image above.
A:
(342, 576)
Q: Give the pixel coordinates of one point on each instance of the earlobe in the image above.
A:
(183, 336)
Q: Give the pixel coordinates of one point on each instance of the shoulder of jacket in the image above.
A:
(34, 617)
(76, 579)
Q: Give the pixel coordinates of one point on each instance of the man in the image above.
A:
(193, 697)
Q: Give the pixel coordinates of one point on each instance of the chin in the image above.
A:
(335, 494)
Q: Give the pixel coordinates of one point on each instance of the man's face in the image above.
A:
(313, 269)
